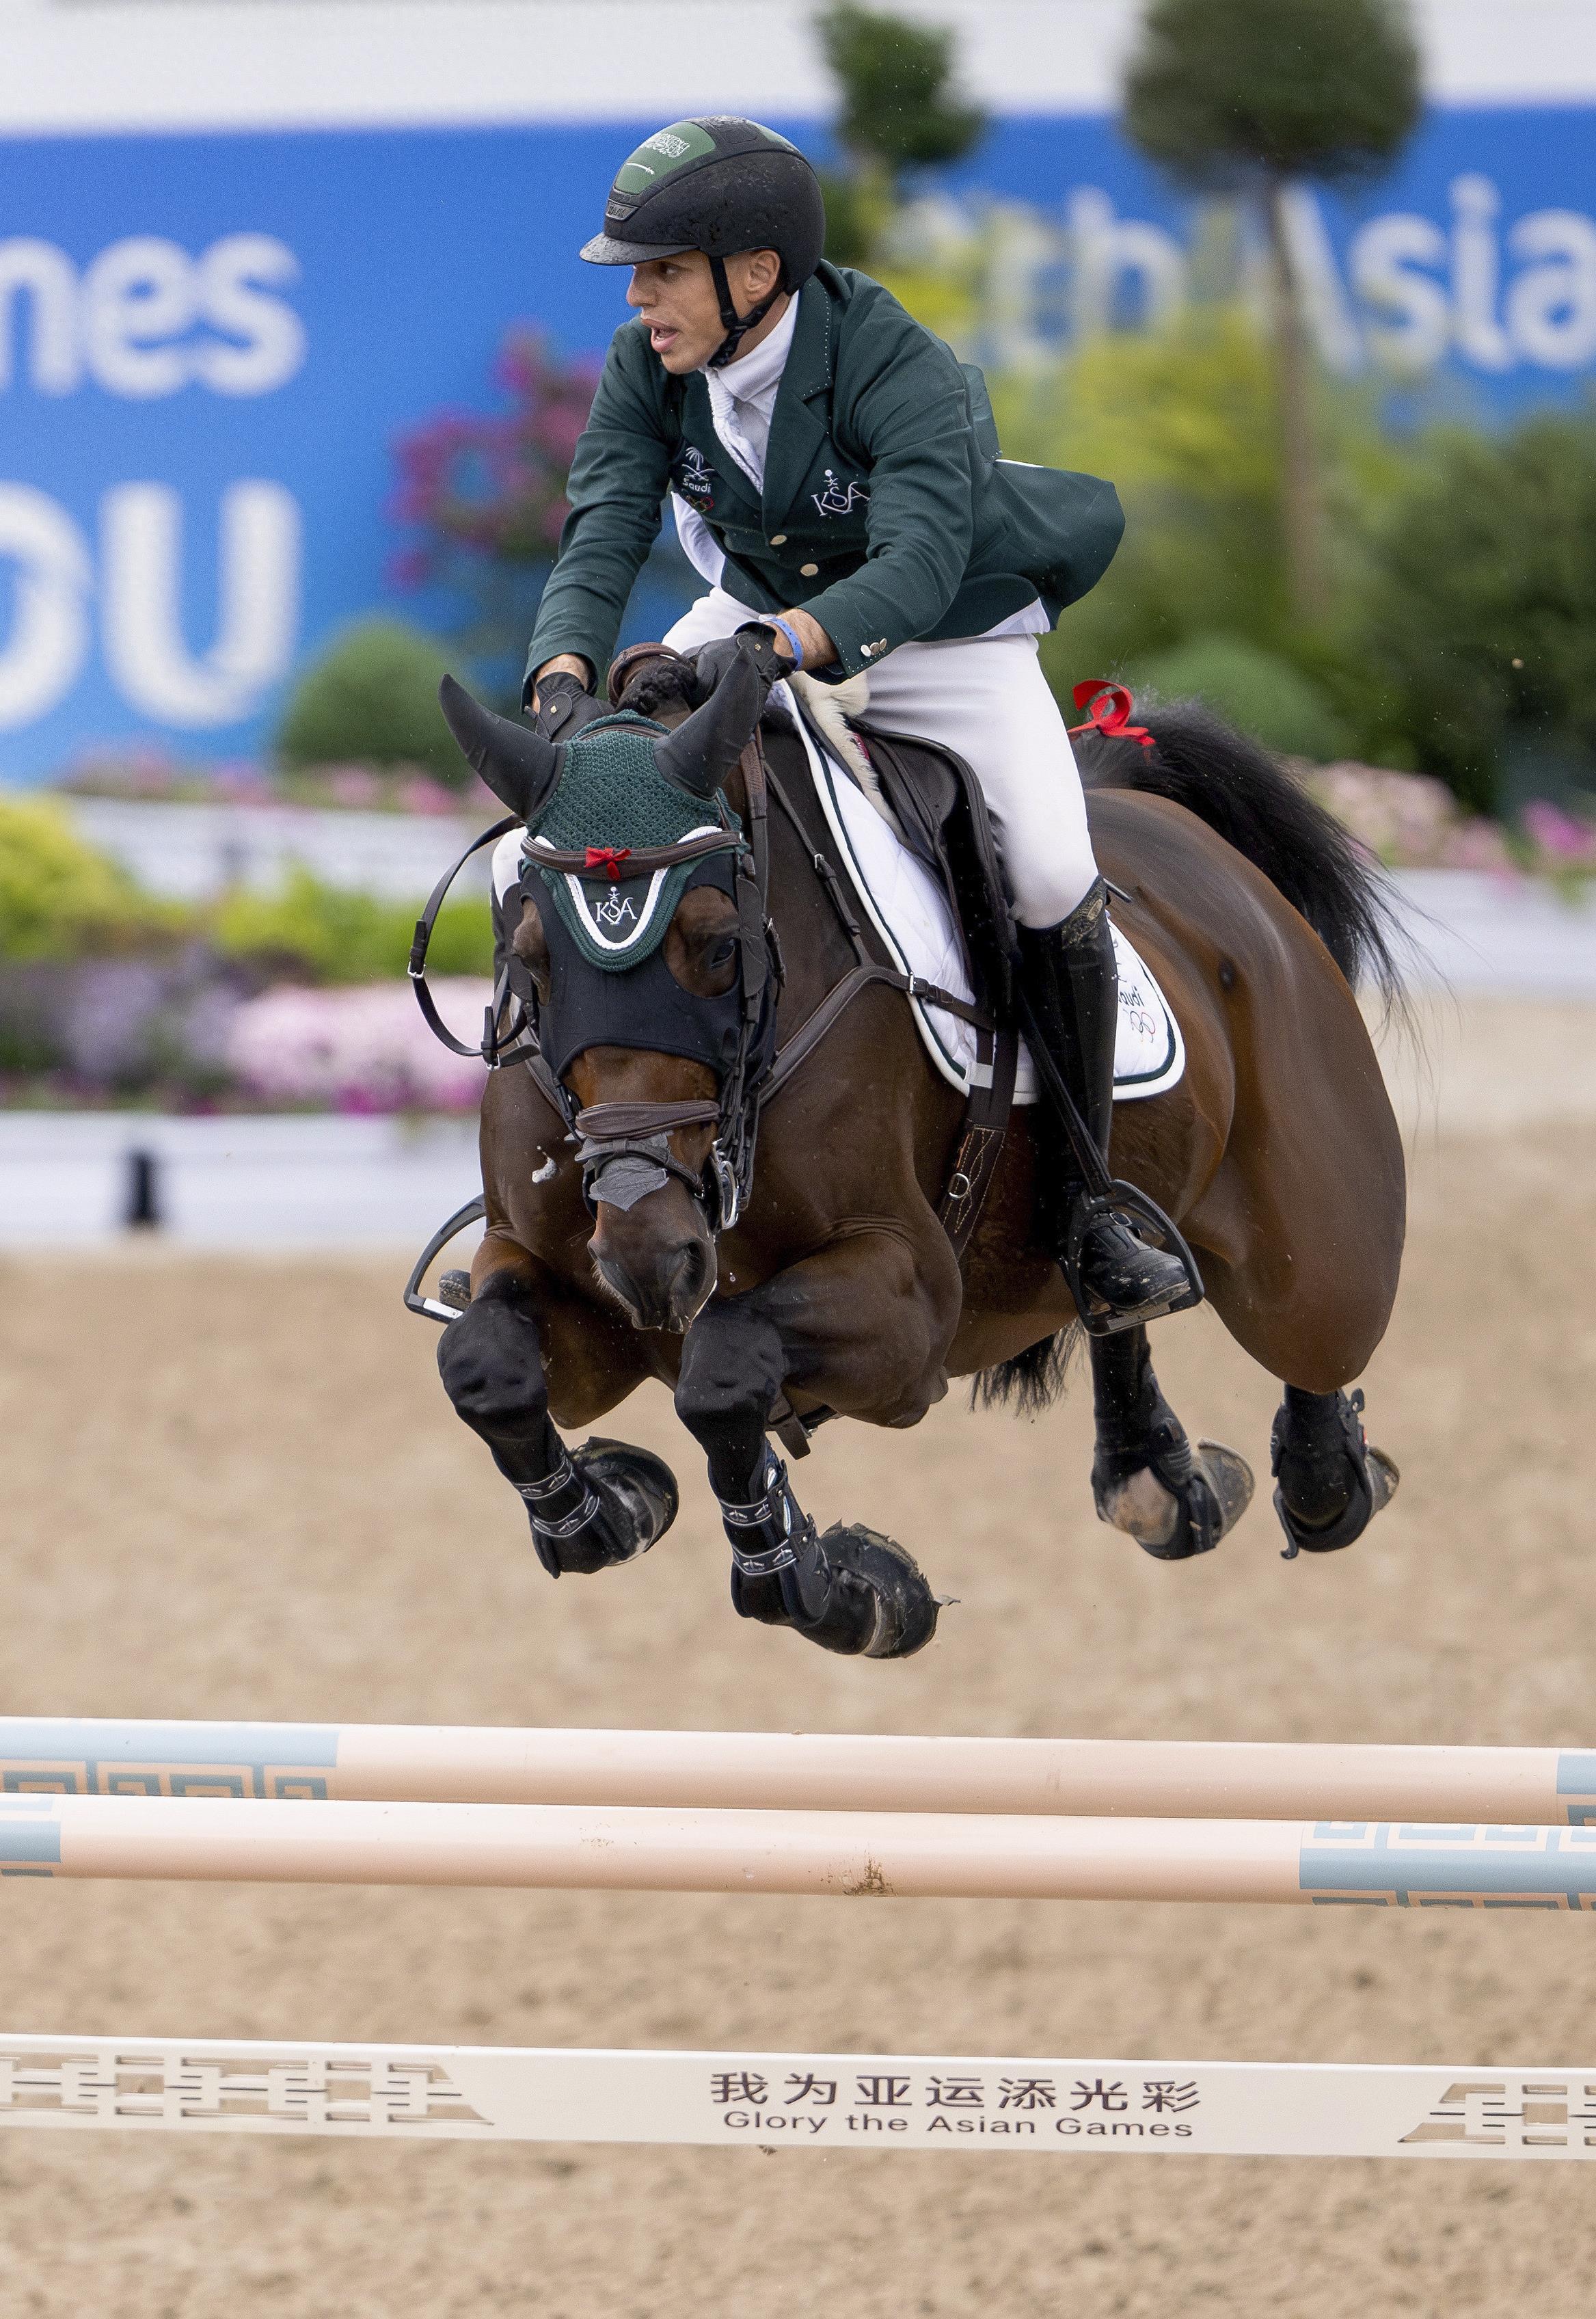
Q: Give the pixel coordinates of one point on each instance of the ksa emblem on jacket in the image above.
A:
(838, 500)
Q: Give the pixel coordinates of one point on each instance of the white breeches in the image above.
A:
(986, 698)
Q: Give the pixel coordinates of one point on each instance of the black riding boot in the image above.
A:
(1070, 990)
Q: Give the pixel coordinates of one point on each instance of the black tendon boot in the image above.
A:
(1069, 1005)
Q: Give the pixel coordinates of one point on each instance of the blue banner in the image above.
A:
(210, 344)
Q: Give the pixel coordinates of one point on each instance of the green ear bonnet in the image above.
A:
(612, 799)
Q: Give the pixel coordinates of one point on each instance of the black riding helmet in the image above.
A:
(717, 186)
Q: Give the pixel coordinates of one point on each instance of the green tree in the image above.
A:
(1184, 419)
(901, 111)
(1250, 96)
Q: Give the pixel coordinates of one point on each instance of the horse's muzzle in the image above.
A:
(660, 1281)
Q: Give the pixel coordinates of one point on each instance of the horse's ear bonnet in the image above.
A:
(702, 754)
(518, 765)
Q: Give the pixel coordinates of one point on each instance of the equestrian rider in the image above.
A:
(835, 474)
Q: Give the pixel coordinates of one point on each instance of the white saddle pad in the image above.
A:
(910, 913)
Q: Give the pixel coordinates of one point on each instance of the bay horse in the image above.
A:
(618, 1249)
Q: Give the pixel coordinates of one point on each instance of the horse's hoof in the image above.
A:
(1229, 1478)
(1385, 1479)
(905, 1607)
(861, 1595)
(637, 1501)
(1173, 1515)
(1142, 1507)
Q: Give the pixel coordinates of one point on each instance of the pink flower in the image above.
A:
(422, 794)
(495, 485)
(1571, 843)
(361, 1049)
(354, 785)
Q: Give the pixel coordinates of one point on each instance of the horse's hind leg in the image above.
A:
(1329, 1482)
(1146, 1479)
(603, 1503)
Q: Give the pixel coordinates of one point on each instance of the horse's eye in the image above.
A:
(725, 953)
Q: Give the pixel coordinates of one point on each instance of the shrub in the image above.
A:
(371, 699)
(1256, 690)
(1482, 614)
(326, 934)
(60, 899)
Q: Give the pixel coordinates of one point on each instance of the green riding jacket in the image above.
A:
(887, 512)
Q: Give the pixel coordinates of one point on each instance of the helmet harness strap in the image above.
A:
(736, 326)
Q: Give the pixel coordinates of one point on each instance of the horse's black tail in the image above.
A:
(1250, 800)
(1265, 812)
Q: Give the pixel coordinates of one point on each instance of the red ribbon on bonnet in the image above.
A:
(1110, 711)
(610, 857)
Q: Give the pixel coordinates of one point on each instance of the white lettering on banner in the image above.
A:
(1551, 306)
(1411, 291)
(257, 599)
(1476, 274)
(47, 278)
(138, 296)
(266, 342)
(1319, 284)
(1409, 322)
(1109, 250)
(129, 324)
(47, 642)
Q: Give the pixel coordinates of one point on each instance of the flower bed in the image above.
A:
(361, 1049)
(1410, 821)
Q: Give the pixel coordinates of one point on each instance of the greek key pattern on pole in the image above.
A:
(121, 2085)
(1490, 2113)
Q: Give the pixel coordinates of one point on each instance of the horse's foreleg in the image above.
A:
(1146, 1479)
(1329, 1483)
(861, 1328)
(603, 1503)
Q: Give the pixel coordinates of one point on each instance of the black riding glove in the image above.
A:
(753, 643)
(564, 705)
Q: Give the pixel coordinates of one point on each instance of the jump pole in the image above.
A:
(798, 1770)
(861, 1855)
(965, 2106)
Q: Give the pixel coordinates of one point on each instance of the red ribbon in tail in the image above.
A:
(1110, 711)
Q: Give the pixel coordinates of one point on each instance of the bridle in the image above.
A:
(607, 1132)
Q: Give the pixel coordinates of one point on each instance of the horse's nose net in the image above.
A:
(634, 1001)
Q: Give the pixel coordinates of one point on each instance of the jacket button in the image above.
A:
(808, 570)
(779, 540)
